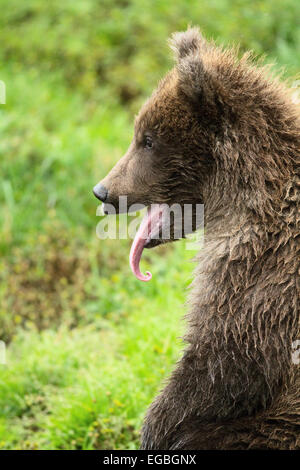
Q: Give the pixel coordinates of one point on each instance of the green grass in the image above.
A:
(88, 346)
(88, 387)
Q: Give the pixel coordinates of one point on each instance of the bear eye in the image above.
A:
(148, 144)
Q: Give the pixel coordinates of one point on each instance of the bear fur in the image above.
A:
(226, 134)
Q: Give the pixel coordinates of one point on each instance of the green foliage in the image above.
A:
(94, 43)
(88, 387)
(88, 344)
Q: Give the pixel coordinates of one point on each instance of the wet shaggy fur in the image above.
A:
(226, 134)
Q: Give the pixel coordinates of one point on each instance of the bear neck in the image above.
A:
(251, 207)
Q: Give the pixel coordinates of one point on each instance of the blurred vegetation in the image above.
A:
(88, 344)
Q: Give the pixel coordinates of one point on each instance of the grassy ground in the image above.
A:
(88, 345)
(88, 387)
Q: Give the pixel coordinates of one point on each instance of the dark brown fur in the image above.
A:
(227, 135)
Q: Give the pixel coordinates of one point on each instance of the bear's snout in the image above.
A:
(100, 192)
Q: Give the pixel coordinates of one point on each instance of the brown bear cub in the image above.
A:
(221, 132)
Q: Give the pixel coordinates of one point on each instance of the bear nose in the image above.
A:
(100, 192)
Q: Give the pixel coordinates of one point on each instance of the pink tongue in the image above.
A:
(149, 225)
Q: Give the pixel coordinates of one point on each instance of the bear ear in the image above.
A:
(193, 79)
(186, 43)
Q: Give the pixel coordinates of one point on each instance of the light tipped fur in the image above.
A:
(186, 43)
